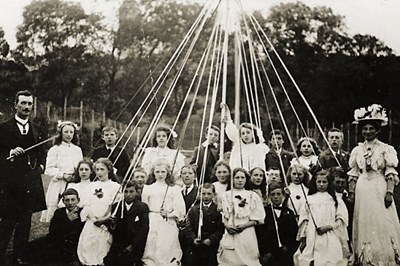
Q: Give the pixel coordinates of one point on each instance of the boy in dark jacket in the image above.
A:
(118, 156)
(277, 236)
(203, 250)
(60, 245)
(129, 227)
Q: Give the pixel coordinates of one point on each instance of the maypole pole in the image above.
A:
(238, 55)
(225, 22)
(224, 81)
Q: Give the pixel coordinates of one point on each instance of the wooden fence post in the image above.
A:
(137, 136)
(92, 129)
(81, 115)
(65, 108)
(34, 106)
(355, 134)
(48, 107)
(348, 136)
(390, 127)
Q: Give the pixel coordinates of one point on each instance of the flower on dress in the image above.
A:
(242, 202)
(99, 193)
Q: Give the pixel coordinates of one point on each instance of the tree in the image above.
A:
(56, 39)
(368, 45)
(147, 35)
(4, 46)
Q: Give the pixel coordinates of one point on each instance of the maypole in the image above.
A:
(224, 78)
(238, 55)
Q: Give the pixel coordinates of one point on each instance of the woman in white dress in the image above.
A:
(61, 162)
(167, 208)
(95, 239)
(242, 210)
(164, 149)
(376, 228)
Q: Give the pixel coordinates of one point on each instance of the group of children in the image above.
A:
(240, 211)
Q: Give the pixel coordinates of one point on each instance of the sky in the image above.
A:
(379, 18)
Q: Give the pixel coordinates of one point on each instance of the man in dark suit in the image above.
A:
(129, 228)
(280, 222)
(277, 138)
(21, 189)
(203, 251)
(327, 158)
(118, 156)
(199, 154)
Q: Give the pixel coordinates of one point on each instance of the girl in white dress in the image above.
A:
(258, 183)
(61, 162)
(83, 180)
(249, 149)
(307, 152)
(167, 208)
(242, 210)
(298, 178)
(322, 225)
(95, 240)
(222, 172)
(164, 149)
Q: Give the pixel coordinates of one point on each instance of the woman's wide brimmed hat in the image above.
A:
(374, 112)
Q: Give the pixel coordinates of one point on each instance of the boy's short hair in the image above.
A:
(108, 129)
(277, 132)
(274, 185)
(338, 172)
(208, 186)
(213, 127)
(273, 168)
(70, 191)
(132, 183)
(139, 170)
(334, 129)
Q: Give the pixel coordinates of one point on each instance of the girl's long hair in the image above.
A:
(87, 161)
(110, 167)
(217, 164)
(152, 178)
(331, 189)
(313, 145)
(262, 187)
(237, 170)
(253, 128)
(170, 137)
(300, 169)
(75, 138)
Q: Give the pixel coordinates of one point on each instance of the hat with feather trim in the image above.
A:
(374, 112)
